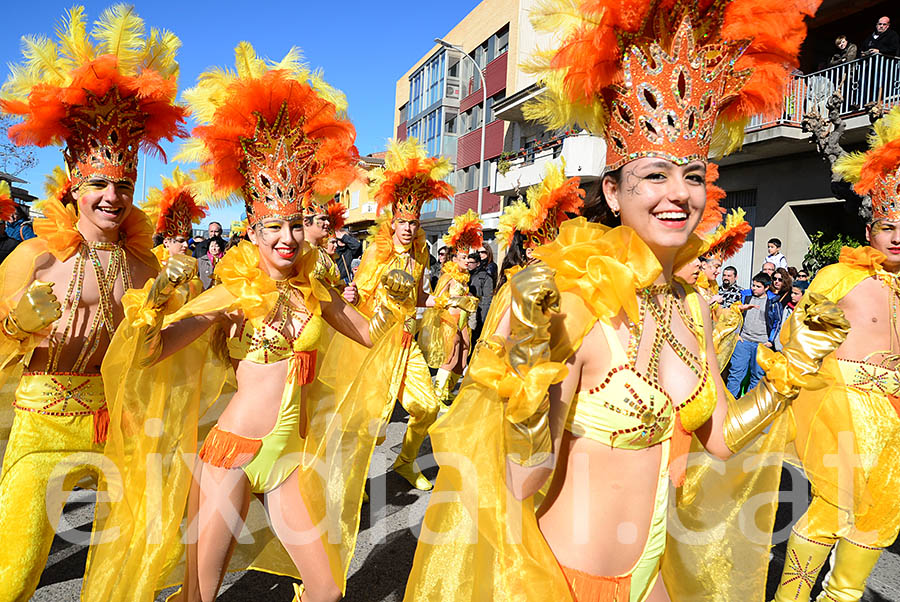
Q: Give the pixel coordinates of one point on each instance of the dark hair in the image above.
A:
(763, 279)
(793, 272)
(595, 207)
(731, 268)
(216, 223)
(786, 283)
(157, 239)
(775, 241)
(490, 253)
(515, 255)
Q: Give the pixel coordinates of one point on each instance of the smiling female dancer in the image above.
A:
(276, 135)
(570, 501)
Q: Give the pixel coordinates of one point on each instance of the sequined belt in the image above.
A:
(64, 394)
(870, 377)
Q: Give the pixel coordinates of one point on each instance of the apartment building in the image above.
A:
(441, 102)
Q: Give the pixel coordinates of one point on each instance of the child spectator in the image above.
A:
(762, 317)
(775, 256)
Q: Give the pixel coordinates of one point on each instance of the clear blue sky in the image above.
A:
(363, 48)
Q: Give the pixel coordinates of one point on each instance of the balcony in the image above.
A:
(585, 156)
(437, 209)
(871, 79)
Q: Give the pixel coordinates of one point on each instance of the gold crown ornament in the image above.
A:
(173, 208)
(665, 78)
(104, 95)
(876, 172)
(409, 179)
(273, 134)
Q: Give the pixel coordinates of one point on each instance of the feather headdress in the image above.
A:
(105, 95)
(877, 172)
(665, 78)
(713, 211)
(409, 179)
(173, 208)
(729, 237)
(272, 133)
(465, 232)
(7, 204)
(337, 213)
(547, 206)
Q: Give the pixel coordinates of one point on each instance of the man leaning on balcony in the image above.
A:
(883, 40)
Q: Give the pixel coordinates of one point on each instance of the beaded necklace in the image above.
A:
(103, 319)
(285, 310)
(892, 281)
(662, 316)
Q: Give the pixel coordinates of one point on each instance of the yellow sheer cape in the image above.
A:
(825, 420)
(478, 542)
(159, 414)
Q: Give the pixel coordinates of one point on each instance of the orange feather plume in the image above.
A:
(728, 238)
(7, 205)
(336, 214)
(713, 211)
(247, 100)
(465, 232)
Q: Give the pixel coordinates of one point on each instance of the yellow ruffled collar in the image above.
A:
(161, 254)
(59, 229)
(865, 258)
(256, 292)
(605, 266)
(451, 269)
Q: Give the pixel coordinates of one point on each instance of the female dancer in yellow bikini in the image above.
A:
(628, 359)
(278, 137)
(445, 336)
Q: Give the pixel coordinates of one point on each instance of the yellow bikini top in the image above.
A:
(266, 344)
(629, 411)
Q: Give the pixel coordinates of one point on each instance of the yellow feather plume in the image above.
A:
(120, 32)
(73, 38)
(886, 129)
(56, 184)
(849, 166)
(43, 60)
(5, 192)
(159, 52)
(516, 216)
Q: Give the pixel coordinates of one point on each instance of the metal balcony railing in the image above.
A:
(873, 78)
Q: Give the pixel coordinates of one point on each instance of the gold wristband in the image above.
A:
(12, 329)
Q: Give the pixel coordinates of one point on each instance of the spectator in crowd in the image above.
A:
(331, 248)
(487, 258)
(768, 268)
(20, 227)
(7, 245)
(215, 232)
(883, 40)
(354, 265)
(793, 272)
(481, 285)
(781, 285)
(802, 276)
(762, 317)
(516, 258)
(846, 52)
(730, 291)
(775, 256)
(207, 263)
(346, 248)
(442, 255)
(797, 291)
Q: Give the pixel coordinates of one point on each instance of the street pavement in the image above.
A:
(384, 552)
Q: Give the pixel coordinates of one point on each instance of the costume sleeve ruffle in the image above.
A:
(16, 274)
(156, 420)
(477, 541)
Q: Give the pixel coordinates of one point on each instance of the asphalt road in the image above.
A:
(384, 552)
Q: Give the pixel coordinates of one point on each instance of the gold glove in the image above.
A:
(36, 310)
(179, 270)
(816, 328)
(463, 303)
(528, 443)
(533, 296)
(398, 286)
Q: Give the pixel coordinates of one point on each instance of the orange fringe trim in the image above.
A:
(596, 588)
(678, 453)
(407, 339)
(895, 401)
(227, 450)
(303, 371)
(101, 425)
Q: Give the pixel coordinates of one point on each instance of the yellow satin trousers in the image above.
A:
(46, 457)
(417, 397)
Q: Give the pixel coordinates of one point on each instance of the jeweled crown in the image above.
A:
(668, 104)
(278, 162)
(886, 198)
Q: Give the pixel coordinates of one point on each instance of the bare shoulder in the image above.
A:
(141, 271)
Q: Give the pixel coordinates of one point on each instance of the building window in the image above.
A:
(354, 199)
(450, 127)
(414, 130)
(502, 41)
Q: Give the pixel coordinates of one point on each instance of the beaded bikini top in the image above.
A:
(263, 341)
(629, 409)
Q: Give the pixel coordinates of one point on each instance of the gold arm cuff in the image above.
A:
(749, 416)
